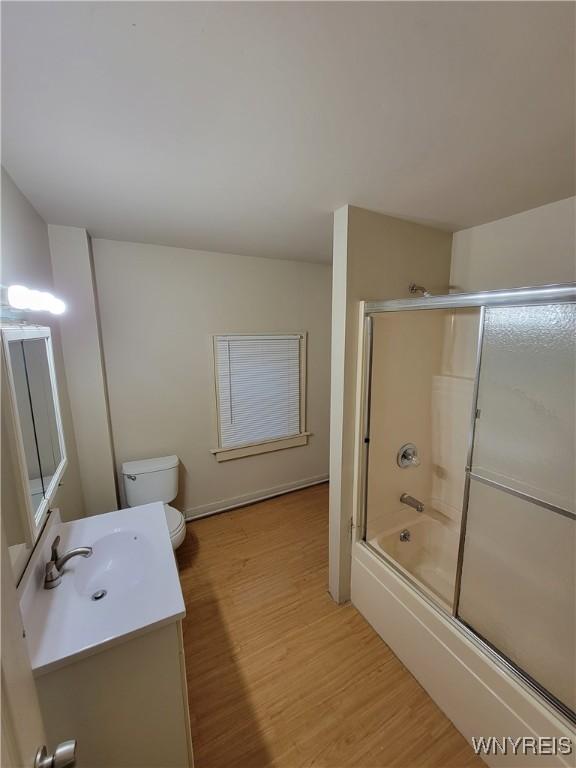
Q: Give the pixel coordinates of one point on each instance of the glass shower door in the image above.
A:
(421, 395)
(518, 579)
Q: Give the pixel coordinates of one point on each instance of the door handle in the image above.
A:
(64, 756)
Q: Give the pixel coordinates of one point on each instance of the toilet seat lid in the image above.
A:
(174, 519)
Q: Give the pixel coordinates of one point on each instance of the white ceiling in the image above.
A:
(239, 127)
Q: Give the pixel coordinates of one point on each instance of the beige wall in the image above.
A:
(531, 248)
(26, 260)
(158, 308)
(73, 277)
(375, 257)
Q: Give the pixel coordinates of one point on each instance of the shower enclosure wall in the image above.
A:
(467, 469)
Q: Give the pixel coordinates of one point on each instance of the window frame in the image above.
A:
(262, 446)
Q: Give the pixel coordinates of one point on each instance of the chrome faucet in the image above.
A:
(412, 502)
(56, 563)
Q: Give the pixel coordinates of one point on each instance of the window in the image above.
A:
(260, 397)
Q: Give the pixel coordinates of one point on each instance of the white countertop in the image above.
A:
(132, 559)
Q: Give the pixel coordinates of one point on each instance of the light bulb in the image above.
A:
(36, 300)
(18, 296)
(21, 297)
(56, 306)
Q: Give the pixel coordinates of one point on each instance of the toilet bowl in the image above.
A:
(176, 525)
(156, 479)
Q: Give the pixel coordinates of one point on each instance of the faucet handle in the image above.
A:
(54, 556)
(408, 456)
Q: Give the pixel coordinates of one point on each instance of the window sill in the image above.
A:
(227, 454)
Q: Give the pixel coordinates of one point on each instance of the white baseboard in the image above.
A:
(478, 696)
(203, 510)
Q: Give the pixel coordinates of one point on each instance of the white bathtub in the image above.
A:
(431, 553)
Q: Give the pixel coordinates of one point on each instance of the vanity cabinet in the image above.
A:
(106, 646)
(126, 705)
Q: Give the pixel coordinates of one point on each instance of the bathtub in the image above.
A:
(427, 550)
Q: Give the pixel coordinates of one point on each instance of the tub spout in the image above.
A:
(412, 502)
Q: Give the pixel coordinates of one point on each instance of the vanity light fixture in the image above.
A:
(20, 297)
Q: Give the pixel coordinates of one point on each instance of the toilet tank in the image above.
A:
(150, 480)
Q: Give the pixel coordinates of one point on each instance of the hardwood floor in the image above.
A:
(278, 674)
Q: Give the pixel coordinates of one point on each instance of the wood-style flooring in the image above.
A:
(279, 674)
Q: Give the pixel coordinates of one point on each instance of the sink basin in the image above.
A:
(128, 586)
(120, 563)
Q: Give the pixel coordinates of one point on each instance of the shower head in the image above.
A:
(413, 288)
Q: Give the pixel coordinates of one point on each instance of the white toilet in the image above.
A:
(151, 480)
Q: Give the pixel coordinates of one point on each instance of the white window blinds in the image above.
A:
(258, 387)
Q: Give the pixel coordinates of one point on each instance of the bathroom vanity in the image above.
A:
(102, 630)
(106, 644)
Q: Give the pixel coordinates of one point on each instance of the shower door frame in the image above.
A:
(546, 294)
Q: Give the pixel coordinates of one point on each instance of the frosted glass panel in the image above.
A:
(518, 585)
(525, 430)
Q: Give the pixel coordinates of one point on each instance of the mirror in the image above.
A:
(37, 414)
(33, 450)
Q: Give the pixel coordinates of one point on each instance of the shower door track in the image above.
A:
(547, 294)
(544, 294)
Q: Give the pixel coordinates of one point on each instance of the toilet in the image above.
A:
(151, 480)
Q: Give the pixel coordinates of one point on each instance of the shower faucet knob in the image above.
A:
(408, 456)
